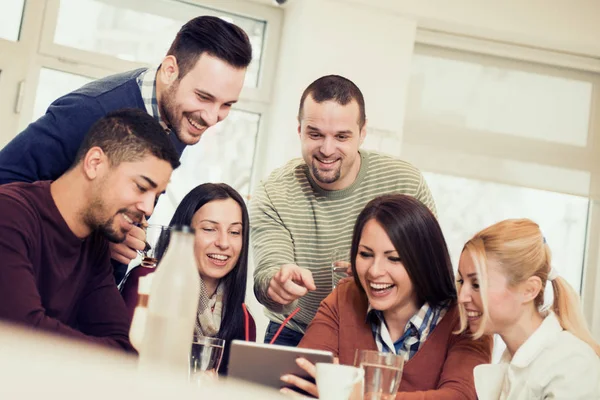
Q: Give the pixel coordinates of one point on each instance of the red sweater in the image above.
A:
(49, 278)
(441, 369)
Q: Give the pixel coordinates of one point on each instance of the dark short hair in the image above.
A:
(129, 135)
(214, 36)
(418, 239)
(234, 283)
(336, 88)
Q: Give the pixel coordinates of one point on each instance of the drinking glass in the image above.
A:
(205, 357)
(340, 265)
(157, 240)
(383, 372)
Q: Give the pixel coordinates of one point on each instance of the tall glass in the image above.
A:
(340, 266)
(383, 372)
(205, 357)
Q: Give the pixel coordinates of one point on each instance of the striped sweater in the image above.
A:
(294, 221)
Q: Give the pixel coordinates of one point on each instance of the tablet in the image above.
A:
(265, 364)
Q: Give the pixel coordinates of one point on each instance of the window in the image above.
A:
(142, 34)
(53, 84)
(505, 138)
(10, 19)
(483, 127)
(487, 98)
(224, 154)
(465, 206)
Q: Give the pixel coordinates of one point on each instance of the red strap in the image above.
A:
(246, 322)
(284, 323)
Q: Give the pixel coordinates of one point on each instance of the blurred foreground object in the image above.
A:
(41, 365)
(172, 306)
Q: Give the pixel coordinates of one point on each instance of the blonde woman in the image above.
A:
(550, 354)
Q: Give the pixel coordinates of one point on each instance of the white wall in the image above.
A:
(323, 37)
(572, 26)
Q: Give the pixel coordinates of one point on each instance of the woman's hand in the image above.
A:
(300, 383)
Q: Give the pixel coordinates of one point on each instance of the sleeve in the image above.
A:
(323, 331)
(272, 247)
(20, 299)
(456, 380)
(48, 146)
(102, 311)
(424, 195)
(576, 378)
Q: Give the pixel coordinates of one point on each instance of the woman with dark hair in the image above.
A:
(219, 217)
(403, 301)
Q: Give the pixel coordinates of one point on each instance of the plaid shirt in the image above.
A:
(147, 83)
(416, 331)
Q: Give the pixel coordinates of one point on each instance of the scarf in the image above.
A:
(210, 309)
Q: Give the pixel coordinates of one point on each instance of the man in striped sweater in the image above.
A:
(307, 209)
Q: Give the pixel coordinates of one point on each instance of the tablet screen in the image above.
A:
(265, 364)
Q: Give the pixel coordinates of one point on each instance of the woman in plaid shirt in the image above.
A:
(402, 300)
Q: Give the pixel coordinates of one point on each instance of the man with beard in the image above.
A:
(307, 209)
(55, 273)
(193, 88)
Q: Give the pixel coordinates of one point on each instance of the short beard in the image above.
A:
(106, 229)
(326, 179)
(110, 233)
(167, 107)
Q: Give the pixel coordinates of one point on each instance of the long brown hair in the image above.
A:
(418, 239)
(520, 250)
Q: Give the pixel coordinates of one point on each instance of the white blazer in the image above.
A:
(551, 364)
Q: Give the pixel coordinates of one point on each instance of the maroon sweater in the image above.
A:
(49, 278)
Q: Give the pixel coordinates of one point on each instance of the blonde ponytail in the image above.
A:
(567, 308)
(520, 250)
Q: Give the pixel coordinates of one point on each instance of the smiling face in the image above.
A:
(200, 99)
(122, 195)
(503, 301)
(382, 274)
(218, 243)
(330, 137)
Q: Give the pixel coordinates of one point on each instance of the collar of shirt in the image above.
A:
(416, 330)
(540, 340)
(147, 83)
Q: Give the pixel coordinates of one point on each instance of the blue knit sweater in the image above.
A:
(48, 146)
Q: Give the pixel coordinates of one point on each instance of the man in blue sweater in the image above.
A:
(194, 87)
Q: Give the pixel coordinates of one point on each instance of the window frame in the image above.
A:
(13, 74)
(15, 63)
(468, 154)
(175, 9)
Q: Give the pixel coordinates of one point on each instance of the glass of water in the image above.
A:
(383, 372)
(340, 266)
(205, 358)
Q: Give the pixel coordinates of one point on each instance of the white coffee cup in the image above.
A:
(336, 382)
